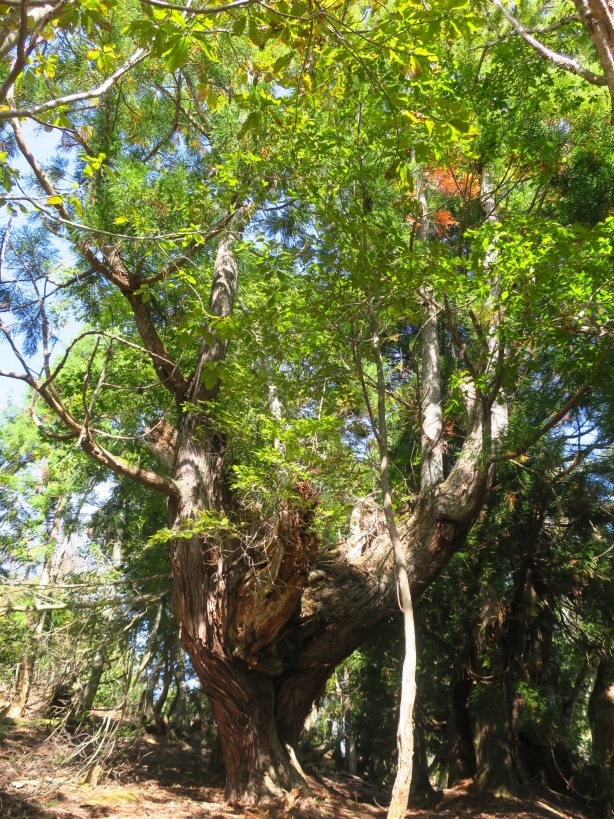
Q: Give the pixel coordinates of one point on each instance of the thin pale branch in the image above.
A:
(11, 113)
(554, 419)
(566, 63)
(204, 10)
(141, 599)
(558, 24)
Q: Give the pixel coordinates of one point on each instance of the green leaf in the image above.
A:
(178, 55)
(283, 62)
(238, 27)
(461, 125)
(252, 123)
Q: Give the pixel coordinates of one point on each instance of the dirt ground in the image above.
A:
(157, 777)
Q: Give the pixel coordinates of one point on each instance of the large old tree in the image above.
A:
(242, 194)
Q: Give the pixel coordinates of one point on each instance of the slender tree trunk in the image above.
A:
(166, 681)
(36, 621)
(180, 705)
(405, 733)
(431, 476)
(421, 789)
(94, 679)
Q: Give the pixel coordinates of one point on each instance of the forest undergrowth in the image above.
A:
(167, 776)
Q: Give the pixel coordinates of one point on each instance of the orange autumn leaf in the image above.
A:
(444, 221)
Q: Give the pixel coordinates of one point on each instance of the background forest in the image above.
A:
(307, 312)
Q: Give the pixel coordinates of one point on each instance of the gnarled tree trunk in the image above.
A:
(230, 608)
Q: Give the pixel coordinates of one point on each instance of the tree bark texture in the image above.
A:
(421, 789)
(493, 731)
(459, 730)
(601, 717)
(94, 680)
(516, 637)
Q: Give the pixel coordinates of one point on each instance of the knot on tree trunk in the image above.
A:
(268, 595)
(367, 523)
(162, 441)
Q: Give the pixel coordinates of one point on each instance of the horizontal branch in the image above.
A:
(12, 113)
(554, 419)
(33, 584)
(206, 10)
(146, 477)
(85, 439)
(566, 63)
(9, 608)
(564, 21)
(16, 376)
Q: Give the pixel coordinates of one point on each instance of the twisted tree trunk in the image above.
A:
(230, 607)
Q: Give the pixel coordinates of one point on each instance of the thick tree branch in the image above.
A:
(15, 376)
(21, 57)
(221, 303)
(431, 471)
(120, 466)
(554, 419)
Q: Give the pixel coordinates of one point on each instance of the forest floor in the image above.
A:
(160, 778)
